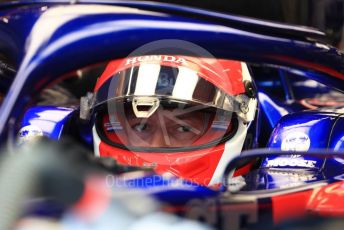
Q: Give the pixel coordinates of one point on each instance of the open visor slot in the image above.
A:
(172, 125)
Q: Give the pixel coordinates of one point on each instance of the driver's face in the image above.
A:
(165, 128)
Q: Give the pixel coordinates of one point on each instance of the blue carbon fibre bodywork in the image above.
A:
(273, 111)
(337, 135)
(331, 170)
(292, 161)
(168, 189)
(279, 179)
(61, 42)
(317, 126)
(74, 38)
(267, 178)
(49, 119)
(313, 166)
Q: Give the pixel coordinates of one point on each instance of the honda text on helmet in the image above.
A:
(185, 115)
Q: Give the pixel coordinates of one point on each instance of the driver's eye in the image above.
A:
(140, 127)
(183, 129)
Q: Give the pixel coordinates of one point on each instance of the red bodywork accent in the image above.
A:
(327, 201)
(243, 170)
(197, 166)
(290, 206)
(224, 74)
(310, 65)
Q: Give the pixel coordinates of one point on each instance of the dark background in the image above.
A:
(326, 15)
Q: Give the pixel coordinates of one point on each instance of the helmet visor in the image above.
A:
(171, 125)
(169, 82)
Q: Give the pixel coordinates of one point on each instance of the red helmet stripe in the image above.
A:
(197, 166)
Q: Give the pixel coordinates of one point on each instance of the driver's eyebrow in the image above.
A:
(176, 119)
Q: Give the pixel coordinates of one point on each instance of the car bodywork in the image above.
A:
(43, 40)
(263, 198)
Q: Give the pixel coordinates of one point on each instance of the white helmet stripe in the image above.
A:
(185, 84)
(246, 76)
(233, 148)
(96, 141)
(144, 86)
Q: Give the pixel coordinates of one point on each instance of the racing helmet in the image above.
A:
(188, 116)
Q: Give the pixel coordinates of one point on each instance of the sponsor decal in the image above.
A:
(296, 141)
(156, 58)
(29, 133)
(291, 162)
(281, 178)
(112, 126)
(293, 176)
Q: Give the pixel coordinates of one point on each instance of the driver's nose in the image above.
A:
(159, 139)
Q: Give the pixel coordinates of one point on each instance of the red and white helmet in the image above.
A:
(185, 115)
